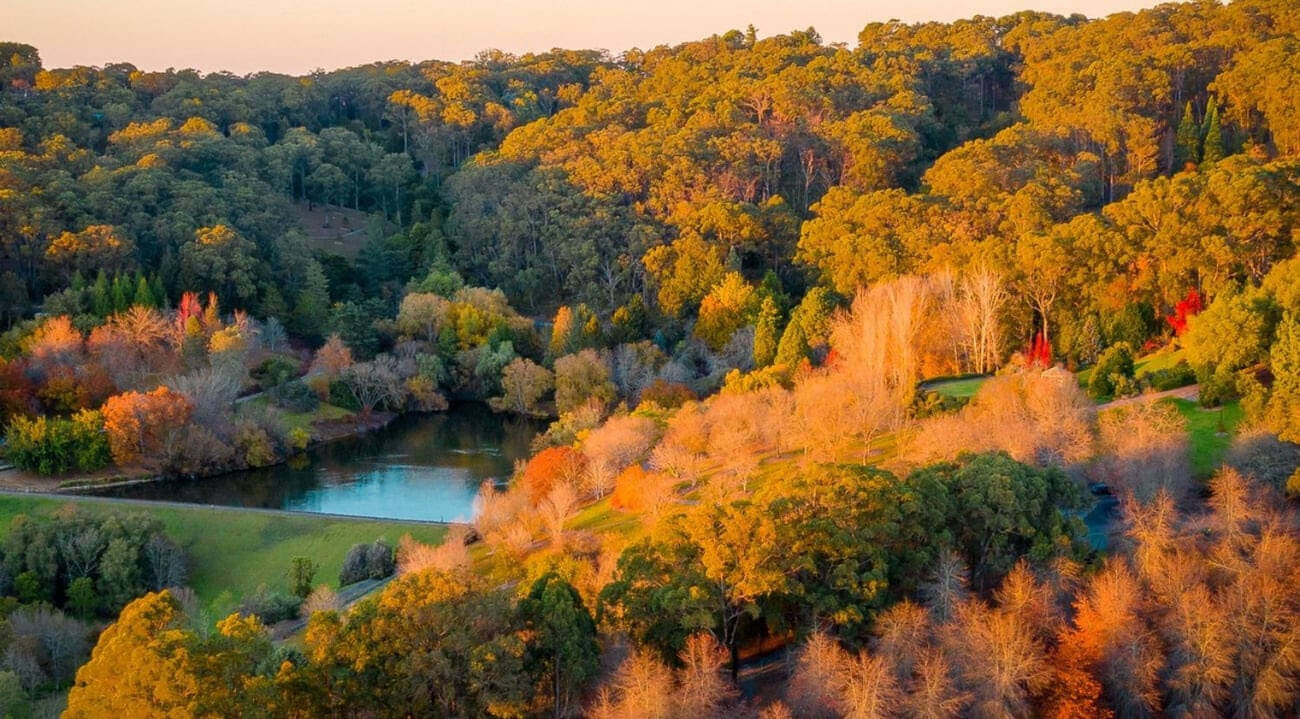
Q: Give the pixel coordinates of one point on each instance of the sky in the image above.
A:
(297, 36)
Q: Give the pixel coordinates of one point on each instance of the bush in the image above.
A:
(1293, 485)
(270, 607)
(1115, 363)
(669, 395)
(254, 445)
(381, 561)
(341, 396)
(935, 403)
(367, 561)
(273, 372)
(1180, 375)
(294, 396)
(1217, 388)
(54, 445)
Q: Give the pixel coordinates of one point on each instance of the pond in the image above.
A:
(421, 467)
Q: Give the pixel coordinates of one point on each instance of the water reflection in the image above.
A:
(425, 467)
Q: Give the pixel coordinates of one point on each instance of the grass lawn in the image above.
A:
(294, 420)
(1209, 438)
(232, 552)
(960, 387)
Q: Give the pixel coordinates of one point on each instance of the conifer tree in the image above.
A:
(121, 293)
(143, 295)
(1212, 148)
(1187, 142)
(101, 302)
(765, 333)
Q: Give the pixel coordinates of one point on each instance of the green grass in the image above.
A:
(1210, 433)
(231, 552)
(304, 420)
(960, 387)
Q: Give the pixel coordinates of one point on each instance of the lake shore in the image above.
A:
(15, 480)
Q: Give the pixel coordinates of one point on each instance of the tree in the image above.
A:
(312, 304)
(1213, 150)
(551, 467)
(332, 358)
(729, 305)
(581, 377)
(563, 648)
(1187, 141)
(145, 427)
(375, 382)
(523, 383)
(221, 260)
(766, 333)
(1283, 410)
(432, 643)
(302, 572)
(422, 315)
(148, 638)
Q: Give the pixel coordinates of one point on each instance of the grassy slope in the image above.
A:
(232, 551)
(1210, 433)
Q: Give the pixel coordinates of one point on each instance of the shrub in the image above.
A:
(294, 396)
(936, 403)
(354, 565)
(299, 438)
(669, 395)
(341, 396)
(1293, 485)
(1115, 362)
(1180, 375)
(254, 445)
(381, 561)
(320, 384)
(54, 445)
(273, 372)
(1217, 388)
(270, 607)
(367, 561)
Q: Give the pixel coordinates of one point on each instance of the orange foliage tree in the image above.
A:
(550, 467)
(143, 427)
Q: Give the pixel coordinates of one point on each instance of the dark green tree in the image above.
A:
(1187, 141)
(563, 650)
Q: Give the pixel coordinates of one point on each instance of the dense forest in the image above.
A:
(735, 273)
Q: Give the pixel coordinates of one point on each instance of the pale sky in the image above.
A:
(296, 36)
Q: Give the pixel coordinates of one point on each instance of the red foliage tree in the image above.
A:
(1186, 308)
(17, 392)
(1039, 353)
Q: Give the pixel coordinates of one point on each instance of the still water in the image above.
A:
(423, 467)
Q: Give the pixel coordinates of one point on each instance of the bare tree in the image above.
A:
(375, 382)
(81, 545)
(983, 296)
(702, 691)
(166, 562)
